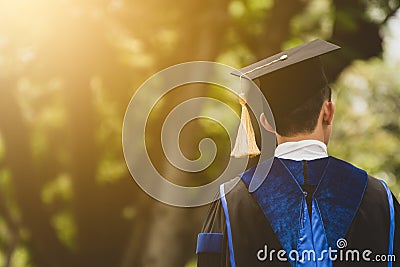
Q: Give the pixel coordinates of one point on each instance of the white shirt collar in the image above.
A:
(302, 150)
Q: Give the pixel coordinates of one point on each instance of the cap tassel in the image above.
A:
(245, 140)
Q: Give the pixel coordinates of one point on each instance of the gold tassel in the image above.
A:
(245, 140)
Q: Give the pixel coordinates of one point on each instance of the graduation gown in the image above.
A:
(323, 212)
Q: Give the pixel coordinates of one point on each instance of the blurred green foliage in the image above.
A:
(366, 129)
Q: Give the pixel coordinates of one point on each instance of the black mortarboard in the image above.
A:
(287, 80)
(290, 78)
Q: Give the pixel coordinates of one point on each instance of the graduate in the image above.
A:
(311, 209)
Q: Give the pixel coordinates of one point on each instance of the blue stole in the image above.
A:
(339, 190)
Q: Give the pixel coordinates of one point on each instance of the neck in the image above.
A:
(315, 135)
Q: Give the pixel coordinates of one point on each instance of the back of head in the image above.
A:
(303, 119)
(295, 94)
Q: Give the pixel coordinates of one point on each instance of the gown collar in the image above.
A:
(302, 150)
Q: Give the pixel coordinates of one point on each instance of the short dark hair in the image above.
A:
(304, 118)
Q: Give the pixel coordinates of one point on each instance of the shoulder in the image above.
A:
(242, 180)
(346, 167)
(376, 193)
(374, 184)
(375, 190)
(236, 194)
(233, 188)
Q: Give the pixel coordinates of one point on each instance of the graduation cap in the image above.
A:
(288, 79)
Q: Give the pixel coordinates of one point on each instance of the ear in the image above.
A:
(328, 109)
(265, 124)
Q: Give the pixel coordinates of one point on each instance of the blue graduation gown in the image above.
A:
(323, 212)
